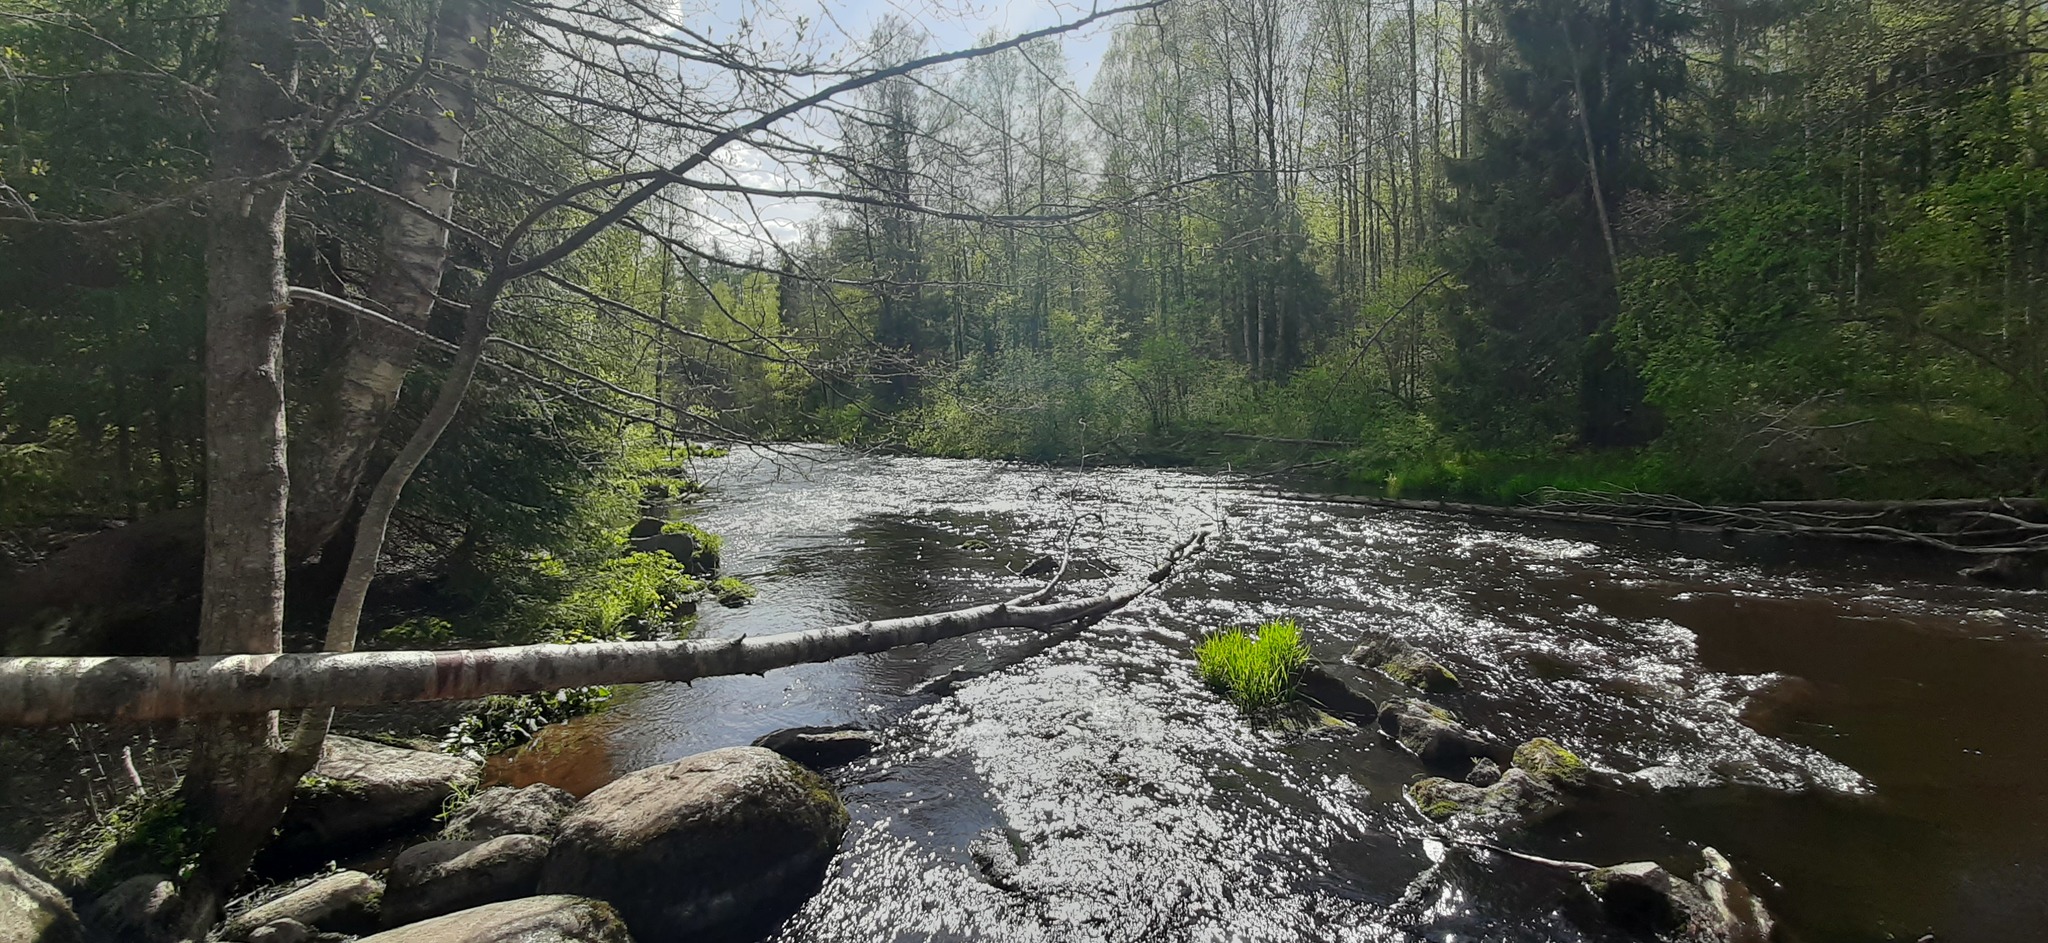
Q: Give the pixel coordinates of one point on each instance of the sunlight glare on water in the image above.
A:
(1095, 791)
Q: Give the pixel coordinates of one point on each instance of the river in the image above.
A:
(1888, 783)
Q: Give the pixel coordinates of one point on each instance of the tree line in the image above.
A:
(1731, 248)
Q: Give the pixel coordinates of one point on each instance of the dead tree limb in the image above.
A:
(38, 691)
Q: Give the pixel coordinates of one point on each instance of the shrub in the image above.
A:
(1257, 672)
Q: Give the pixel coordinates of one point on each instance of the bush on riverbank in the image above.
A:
(1256, 672)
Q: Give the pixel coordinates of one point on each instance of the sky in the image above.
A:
(840, 24)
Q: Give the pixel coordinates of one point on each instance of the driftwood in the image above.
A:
(1981, 527)
(36, 691)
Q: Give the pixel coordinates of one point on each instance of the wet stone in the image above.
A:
(1403, 662)
(1543, 759)
(1485, 772)
(1431, 733)
(1516, 800)
(822, 748)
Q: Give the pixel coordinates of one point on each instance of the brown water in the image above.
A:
(1887, 782)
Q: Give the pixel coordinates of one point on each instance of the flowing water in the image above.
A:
(1862, 735)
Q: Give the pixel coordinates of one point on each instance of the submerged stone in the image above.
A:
(1328, 688)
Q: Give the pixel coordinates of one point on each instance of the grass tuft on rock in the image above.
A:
(1257, 672)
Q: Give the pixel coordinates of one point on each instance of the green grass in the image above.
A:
(1256, 672)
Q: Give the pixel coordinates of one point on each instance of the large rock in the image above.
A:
(533, 810)
(345, 901)
(1403, 662)
(716, 846)
(1515, 800)
(32, 911)
(1433, 734)
(822, 748)
(442, 877)
(1715, 907)
(361, 792)
(143, 909)
(530, 920)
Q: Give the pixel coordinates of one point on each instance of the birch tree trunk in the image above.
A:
(63, 690)
(331, 452)
(232, 783)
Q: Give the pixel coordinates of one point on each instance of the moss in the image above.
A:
(1544, 759)
(732, 591)
(146, 833)
(316, 786)
(975, 545)
(1433, 798)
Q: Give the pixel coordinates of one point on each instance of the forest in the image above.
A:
(340, 340)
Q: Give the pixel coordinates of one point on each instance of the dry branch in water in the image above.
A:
(37, 691)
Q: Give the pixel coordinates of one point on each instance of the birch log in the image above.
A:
(37, 691)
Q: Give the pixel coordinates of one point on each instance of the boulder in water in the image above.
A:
(552, 919)
(1543, 759)
(1432, 733)
(1485, 772)
(1515, 800)
(1715, 907)
(531, 810)
(442, 877)
(1403, 662)
(33, 911)
(716, 846)
(822, 748)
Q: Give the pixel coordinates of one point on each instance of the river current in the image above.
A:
(1861, 734)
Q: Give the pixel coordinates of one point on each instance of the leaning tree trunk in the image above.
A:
(240, 775)
(332, 449)
(63, 690)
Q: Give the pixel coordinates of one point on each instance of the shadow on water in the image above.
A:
(1861, 734)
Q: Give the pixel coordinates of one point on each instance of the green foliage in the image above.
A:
(419, 632)
(502, 722)
(1256, 672)
(623, 596)
(146, 833)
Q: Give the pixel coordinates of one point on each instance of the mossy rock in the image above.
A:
(1404, 663)
(1516, 800)
(1544, 759)
(732, 592)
